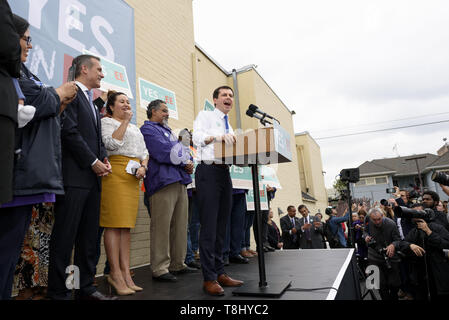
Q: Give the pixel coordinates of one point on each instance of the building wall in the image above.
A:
(374, 192)
(310, 167)
(207, 78)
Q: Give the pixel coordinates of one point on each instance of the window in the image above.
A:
(372, 181)
(381, 180)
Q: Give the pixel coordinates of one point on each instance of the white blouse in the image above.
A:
(132, 145)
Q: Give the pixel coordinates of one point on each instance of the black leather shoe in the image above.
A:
(166, 277)
(185, 270)
(96, 296)
(194, 264)
(238, 259)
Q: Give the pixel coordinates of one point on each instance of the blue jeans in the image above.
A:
(234, 235)
(194, 224)
(249, 220)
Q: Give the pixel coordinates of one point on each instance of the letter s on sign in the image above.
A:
(95, 25)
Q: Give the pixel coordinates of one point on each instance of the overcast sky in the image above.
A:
(343, 66)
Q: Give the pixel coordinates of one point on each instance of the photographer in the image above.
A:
(425, 244)
(430, 200)
(383, 240)
(402, 197)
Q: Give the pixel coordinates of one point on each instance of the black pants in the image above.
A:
(76, 223)
(7, 129)
(14, 223)
(214, 195)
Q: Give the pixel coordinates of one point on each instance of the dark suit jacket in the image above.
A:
(315, 235)
(9, 62)
(290, 241)
(274, 235)
(81, 143)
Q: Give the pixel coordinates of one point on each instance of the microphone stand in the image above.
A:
(252, 288)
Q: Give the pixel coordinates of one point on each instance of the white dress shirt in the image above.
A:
(208, 124)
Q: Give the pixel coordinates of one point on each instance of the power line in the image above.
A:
(380, 130)
(381, 122)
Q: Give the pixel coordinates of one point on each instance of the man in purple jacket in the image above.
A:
(169, 171)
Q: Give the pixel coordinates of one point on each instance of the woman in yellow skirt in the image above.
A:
(120, 192)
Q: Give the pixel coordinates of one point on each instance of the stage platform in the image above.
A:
(333, 269)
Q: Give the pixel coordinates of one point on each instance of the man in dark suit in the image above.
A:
(77, 213)
(290, 226)
(311, 230)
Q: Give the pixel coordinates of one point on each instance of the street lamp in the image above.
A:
(421, 186)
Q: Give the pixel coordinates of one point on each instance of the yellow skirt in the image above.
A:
(119, 196)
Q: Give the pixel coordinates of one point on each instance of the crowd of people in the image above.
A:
(71, 174)
(408, 247)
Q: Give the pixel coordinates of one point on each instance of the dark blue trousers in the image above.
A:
(236, 221)
(214, 192)
(14, 223)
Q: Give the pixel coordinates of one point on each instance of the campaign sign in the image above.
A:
(263, 199)
(208, 106)
(150, 91)
(115, 77)
(64, 29)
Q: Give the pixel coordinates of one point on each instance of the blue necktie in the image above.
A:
(306, 220)
(226, 123)
(89, 94)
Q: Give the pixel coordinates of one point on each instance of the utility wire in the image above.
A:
(380, 130)
(380, 122)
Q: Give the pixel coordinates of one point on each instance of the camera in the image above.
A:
(382, 251)
(390, 190)
(403, 212)
(440, 177)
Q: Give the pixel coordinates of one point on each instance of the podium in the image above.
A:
(262, 146)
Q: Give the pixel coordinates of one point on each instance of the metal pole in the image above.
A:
(421, 187)
(350, 243)
(260, 253)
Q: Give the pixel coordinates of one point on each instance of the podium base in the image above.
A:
(252, 289)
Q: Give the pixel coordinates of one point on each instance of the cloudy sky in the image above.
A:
(344, 66)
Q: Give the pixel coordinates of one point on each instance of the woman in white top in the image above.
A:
(120, 192)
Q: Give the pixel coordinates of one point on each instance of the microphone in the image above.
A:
(255, 109)
(251, 114)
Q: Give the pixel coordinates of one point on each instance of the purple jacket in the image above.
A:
(167, 158)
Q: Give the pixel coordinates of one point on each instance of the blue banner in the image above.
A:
(64, 29)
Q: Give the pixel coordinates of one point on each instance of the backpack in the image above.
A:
(331, 238)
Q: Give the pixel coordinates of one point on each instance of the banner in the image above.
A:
(64, 29)
(115, 77)
(263, 200)
(208, 106)
(150, 91)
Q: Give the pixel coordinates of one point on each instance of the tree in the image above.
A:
(340, 187)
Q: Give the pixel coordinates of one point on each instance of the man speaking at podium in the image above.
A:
(214, 190)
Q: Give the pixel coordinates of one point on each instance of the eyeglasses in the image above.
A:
(27, 39)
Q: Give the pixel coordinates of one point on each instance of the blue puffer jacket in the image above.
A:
(37, 168)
